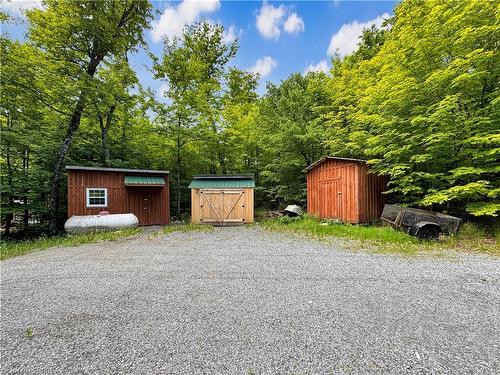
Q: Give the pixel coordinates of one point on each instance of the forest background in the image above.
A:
(418, 100)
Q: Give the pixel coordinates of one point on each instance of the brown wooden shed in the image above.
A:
(344, 189)
(222, 199)
(145, 193)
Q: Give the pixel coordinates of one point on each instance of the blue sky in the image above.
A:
(276, 38)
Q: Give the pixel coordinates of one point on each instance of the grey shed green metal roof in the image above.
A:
(222, 181)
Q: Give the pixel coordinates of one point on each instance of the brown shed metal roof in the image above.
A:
(325, 158)
(124, 170)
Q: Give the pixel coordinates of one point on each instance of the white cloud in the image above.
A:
(345, 41)
(263, 66)
(231, 34)
(269, 20)
(162, 91)
(294, 24)
(322, 66)
(174, 18)
(161, 94)
(17, 7)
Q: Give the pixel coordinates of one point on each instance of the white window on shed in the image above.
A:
(97, 197)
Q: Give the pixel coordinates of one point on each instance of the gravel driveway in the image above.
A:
(243, 301)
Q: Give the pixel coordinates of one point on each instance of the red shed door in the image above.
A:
(146, 205)
(330, 199)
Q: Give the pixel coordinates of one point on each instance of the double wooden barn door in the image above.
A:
(222, 206)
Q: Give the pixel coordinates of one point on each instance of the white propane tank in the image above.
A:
(99, 223)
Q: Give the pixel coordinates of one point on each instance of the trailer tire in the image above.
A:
(428, 232)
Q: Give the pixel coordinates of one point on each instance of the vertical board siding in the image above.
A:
(146, 204)
(374, 199)
(249, 210)
(344, 190)
(195, 206)
(244, 208)
(121, 199)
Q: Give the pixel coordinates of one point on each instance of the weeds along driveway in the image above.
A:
(240, 300)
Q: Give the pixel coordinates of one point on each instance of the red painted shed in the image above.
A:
(344, 189)
(143, 192)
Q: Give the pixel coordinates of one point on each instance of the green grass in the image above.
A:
(471, 238)
(478, 239)
(9, 249)
(29, 332)
(187, 228)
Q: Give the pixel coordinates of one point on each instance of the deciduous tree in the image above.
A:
(76, 37)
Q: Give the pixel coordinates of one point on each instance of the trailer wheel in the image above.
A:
(428, 232)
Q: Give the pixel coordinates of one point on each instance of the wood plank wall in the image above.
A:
(371, 198)
(118, 194)
(248, 210)
(353, 195)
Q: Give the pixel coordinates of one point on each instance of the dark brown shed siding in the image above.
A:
(344, 190)
(120, 198)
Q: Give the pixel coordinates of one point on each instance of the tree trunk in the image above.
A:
(109, 119)
(106, 158)
(213, 164)
(26, 215)
(124, 137)
(10, 216)
(74, 123)
(105, 149)
(222, 159)
(8, 223)
(25, 198)
(223, 165)
(216, 157)
(178, 168)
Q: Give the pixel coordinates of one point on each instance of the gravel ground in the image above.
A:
(243, 301)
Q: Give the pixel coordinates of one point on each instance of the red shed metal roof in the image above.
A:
(325, 158)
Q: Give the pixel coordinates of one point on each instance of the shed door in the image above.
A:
(330, 199)
(146, 205)
(222, 206)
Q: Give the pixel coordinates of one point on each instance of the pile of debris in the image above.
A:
(291, 210)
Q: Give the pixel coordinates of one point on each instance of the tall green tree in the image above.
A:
(421, 103)
(76, 37)
(237, 132)
(23, 153)
(291, 135)
(112, 98)
(193, 67)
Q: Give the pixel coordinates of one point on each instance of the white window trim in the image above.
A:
(96, 205)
